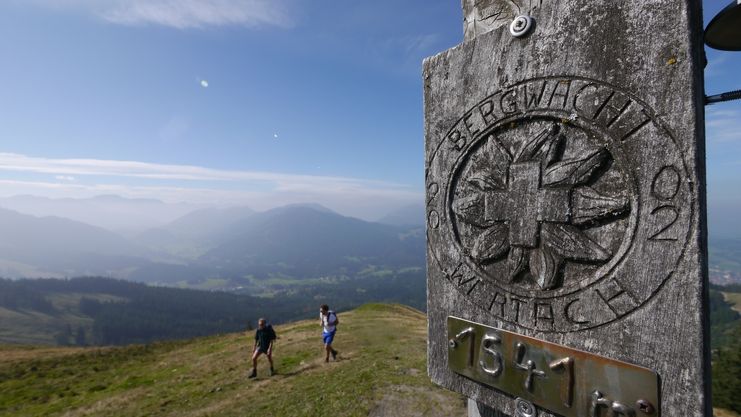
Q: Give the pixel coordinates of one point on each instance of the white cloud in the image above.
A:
(419, 45)
(401, 54)
(182, 14)
(716, 66)
(65, 177)
(723, 122)
(107, 167)
(200, 185)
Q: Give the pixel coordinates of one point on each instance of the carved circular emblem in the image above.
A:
(558, 204)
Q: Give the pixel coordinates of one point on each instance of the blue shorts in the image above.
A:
(328, 337)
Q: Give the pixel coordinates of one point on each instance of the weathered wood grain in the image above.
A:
(566, 187)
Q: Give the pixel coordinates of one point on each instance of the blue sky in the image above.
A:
(245, 101)
(723, 136)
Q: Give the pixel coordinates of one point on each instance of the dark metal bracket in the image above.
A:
(727, 96)
(724, 33)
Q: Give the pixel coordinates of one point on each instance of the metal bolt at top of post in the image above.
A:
(521, 26)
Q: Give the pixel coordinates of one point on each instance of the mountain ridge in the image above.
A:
(54, 242)
(315, 243)
(298, 241)
(108, 211)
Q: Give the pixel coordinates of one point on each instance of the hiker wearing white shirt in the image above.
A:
(329, 321)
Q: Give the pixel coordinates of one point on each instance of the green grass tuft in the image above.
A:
(382, 361)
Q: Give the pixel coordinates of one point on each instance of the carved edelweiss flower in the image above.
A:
(532, 206)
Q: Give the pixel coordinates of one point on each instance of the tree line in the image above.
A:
(139, 313)
(723, 320)
(725, 331)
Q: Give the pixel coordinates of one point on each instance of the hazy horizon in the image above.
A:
(138, 214)
(242, 102)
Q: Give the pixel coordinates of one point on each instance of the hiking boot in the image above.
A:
(334, 355)
(272, 371)
(253, 374)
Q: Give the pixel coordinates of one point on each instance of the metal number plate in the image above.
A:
(569, 382)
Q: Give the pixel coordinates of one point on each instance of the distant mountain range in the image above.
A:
(226, 247)
(194, 233)
(303, 240)
(107, 211)
(413, 215)
(54, 246)
(293, 242)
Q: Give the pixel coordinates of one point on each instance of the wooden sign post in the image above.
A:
(567, 261)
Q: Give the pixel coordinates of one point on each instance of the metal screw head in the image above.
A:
(524, 408)
(645, 406)
(452, 344)
(521, 26)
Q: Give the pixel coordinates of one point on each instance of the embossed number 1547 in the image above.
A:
(492, 363)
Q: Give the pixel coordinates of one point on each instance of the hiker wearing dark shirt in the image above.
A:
(264, 337)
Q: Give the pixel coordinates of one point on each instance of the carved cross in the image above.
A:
(530, 204)
(524, 205)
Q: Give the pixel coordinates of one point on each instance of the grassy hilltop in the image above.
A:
(380, 372)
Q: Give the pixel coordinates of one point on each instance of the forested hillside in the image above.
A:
(725, 334)
(107, 311)
(724, 320)
(727, 373)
